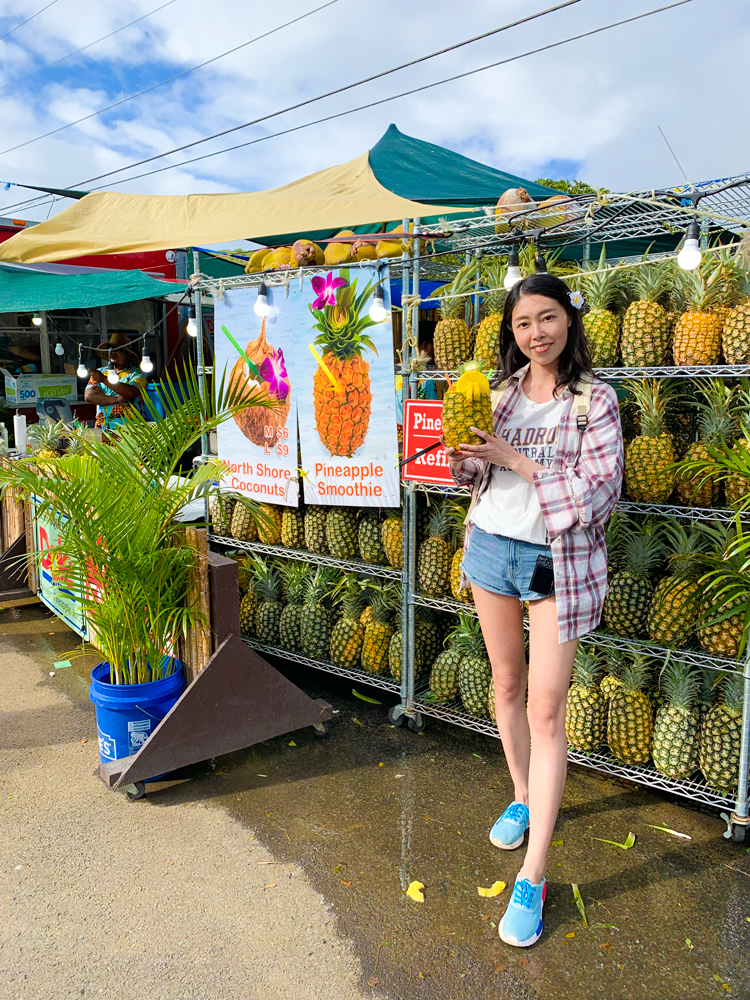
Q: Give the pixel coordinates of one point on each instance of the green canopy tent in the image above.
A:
(24, 289)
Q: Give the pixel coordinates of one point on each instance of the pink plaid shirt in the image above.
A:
(577, 496)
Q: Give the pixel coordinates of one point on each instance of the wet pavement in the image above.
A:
(371, 807)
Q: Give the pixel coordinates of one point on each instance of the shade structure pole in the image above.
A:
(199, 346)
(741, 812)
(410, 550)
(407, 492)
(44, 344)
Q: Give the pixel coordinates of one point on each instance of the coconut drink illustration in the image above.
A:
(261, 423)
(341, 383)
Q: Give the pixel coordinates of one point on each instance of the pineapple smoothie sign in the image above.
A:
(346, 396)
(259, 445)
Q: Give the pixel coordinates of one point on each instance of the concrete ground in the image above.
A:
(349, 821)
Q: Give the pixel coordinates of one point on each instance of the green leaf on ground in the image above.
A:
(579, 904)
(665, 829)
(359, 723)
(364, 697)
(629, 841)
(556, 843)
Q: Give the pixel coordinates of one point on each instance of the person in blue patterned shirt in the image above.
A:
(113, 402)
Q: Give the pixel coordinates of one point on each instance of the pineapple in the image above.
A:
(435, 556)
(267, 582)
(736, 485)
(452, 337)
(697, 335)
(603, 292)
(368, 536)
(630, 722)
(269, 524)
(444, 673)
(457, 515)
(342, 412)
(379, 630)
(341, 532)
(718, 425)
(293, 527)
(735, 335)
(392, 537)
(674, 606)
(248, 607)
(649, 477)
(348, 633)
(489, 331)
(474, 671)
(314, 618)
(467, 404)
(427, 642)
(395, 649)
(296, 576)
(221, 509)
(614, 659)
(645, 326)
(675, 744)
(243, 525)
(48, 438)
(315, 529)
(719, 753)
(724, 596)
(491, 704)
(586, 709)
(631, 591)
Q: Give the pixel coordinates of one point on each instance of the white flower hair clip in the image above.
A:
(576, 299)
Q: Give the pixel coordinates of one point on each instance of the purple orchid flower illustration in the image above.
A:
(325, 289)
(274, 374)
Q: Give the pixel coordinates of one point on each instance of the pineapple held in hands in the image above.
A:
(467, 404)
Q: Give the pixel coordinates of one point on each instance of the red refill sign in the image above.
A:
(423, 425)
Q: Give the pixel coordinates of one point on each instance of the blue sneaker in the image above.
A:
(508, 831)
(521, 925)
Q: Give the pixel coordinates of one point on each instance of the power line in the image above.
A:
(338, 90)
(84, 47)
(171, 79)
(7, 33)
(405, 93)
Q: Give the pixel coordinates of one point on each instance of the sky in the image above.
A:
(589, 109)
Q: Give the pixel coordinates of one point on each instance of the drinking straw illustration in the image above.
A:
(242, 354)
(336, 385)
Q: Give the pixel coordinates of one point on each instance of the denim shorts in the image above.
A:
(502, 565)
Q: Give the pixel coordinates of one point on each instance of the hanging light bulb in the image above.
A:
(36, 319)
(59, 349)
(513, 275)
(147, 364)
(81, 371)
(261, 307)
(112, 377)
(541, 264)
(690, 256)
(377, 309)
(192, 326)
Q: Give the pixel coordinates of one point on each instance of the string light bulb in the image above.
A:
(147, 364)
(192, 326)
(112, 377)
(541, 264)
(59, 349)
(377, 309)
(261, 307)
(690, 256)
(513, 275)
(36, 319)
(81, 371)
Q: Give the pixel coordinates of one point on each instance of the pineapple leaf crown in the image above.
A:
(652, 282)
(732, 694)
(467, 636)
(296, 575)
(643, 550)
(680, 684)
(686, 547)
(587, 667)
(452, 307)
(493, 274)
(353, 599)
(713, 283)
(320, 584)
(652, 398)
(717, 420)
(636, 672)
(439, 525)
(342, 325)
(385, 600)
(605, 286)
(266, 580)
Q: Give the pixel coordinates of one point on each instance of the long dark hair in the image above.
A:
(574, 360)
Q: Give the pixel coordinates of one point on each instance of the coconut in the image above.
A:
(339, 253)
(361, 250)
(305, 253)
(278, 258)
(261, 423)
(511, 201)
(549, 211)
(255, 264)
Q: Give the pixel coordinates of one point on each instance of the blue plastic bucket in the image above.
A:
(126, 714)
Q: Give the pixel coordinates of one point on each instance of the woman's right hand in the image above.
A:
(455, 458)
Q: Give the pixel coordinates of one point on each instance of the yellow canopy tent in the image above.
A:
(109, 222)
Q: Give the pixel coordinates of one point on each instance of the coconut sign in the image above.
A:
(254, 350)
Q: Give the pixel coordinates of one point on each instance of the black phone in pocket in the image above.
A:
(543, 578)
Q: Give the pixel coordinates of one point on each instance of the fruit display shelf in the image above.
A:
(302, 555)
(675, 371)
(683, 513)
(601, 761)
(355, 674)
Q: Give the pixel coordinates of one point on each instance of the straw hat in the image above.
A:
(24, 352)
(117, 341)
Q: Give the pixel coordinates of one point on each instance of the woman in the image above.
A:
(543, 487)
(113, 405)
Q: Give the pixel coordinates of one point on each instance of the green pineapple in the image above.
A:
(452, 338)
(649, 457)
(632, 589)
(315, 618)
(444, 673)
(630, 721)
(674, 606)
(315, 529)
(221, 508)
(368, 534)
(379, 629)
(427, 642)
(717, 423)
(267, 580)
(675, 743)
(457, 515)
(392, 537)
(296, 576)
(603, 291)
(489, 331)
(348, 633)
(586, 709)
(435, 556)
(293, 527)
(248, 607)
(645, 326)
(243, 526)
(474, 672)
(341, 532)
(720, 737)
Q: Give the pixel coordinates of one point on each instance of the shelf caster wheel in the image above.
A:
(418, 723)
(396, 715)
(738, 833)
(321, 729)
(136, 791)
(736, 829)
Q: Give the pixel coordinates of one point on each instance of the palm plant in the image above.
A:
(124, 556)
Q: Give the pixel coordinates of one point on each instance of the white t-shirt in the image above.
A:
(510, 505)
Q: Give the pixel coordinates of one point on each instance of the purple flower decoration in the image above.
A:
(274, 374)
(325, 289)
